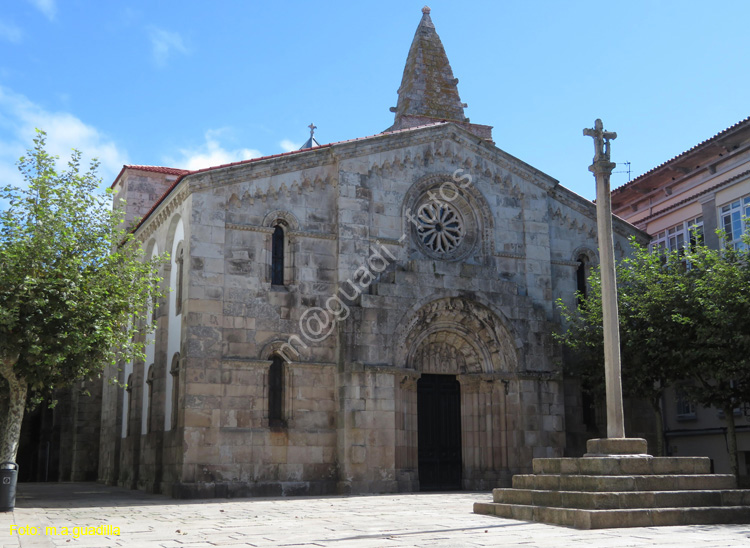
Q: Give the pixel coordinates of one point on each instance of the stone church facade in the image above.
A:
(373, 315)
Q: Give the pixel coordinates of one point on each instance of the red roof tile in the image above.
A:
(699, 145)
(160, 169)
(153, 169)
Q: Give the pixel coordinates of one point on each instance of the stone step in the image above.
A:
(591, 500)
(673, 482)
(617, 466)
(602, 519)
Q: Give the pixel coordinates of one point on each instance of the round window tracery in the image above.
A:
(440, 228)
(442, 219)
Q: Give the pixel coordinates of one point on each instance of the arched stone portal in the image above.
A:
(455, 338)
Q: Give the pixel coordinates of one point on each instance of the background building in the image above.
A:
(691, 196)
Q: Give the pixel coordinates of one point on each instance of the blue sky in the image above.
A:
(189, 84)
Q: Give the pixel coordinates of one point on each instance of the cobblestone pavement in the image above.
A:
(413, 520)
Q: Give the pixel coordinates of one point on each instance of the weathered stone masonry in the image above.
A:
(476, 306)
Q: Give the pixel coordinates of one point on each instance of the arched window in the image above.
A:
(150, 384)
(276, 392)
(582, 275)
(175, 372)
(277, 256)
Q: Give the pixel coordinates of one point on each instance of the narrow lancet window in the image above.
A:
(150, 384)
(277, 256)
(275, 392)
(175, 372)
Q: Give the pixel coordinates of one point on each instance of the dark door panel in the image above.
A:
(439, 437)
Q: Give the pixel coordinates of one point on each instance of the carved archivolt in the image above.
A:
(455, 335)
(587, 252)
(276, 346)
(288, 219)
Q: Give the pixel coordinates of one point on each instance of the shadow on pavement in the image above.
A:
(96, 495)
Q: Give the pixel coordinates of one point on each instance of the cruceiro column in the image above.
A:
(602, 169)
(586, 492)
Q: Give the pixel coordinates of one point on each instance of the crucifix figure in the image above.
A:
(312, 127)
(601, 140)
(602, 169)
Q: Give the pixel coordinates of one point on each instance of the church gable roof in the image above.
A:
(182, 174)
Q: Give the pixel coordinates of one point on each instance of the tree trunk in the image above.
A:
(11, 433)
(656, 404)
(732, 441)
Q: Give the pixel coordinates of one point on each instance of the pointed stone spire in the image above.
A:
(429, 91)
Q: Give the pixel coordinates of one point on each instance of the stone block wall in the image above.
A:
(349, 420)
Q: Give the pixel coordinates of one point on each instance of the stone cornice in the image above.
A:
(250, 228)
(316, 235)
(241, 363)
(540, 375)
(510, 254)
(562, 262)
(291, 234)
(315, 365)
(487, 377)
(389, 241)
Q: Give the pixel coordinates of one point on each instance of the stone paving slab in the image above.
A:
(434, 520)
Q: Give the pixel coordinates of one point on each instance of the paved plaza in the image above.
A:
(418, 520)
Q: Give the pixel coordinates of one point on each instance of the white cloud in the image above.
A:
(47, 7)
(19, 117)
(287, 145)
(10, 32)
(164, 43)
(211, 153)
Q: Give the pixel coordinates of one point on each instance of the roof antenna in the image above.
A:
(628, 170)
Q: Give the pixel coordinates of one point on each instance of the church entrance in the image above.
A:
(439, 432)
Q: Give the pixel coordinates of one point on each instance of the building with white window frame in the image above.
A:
(684, 200)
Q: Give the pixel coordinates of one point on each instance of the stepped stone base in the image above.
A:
(617, 485)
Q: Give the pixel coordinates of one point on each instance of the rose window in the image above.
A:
(440, 227)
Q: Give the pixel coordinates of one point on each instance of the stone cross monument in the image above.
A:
(602, 169)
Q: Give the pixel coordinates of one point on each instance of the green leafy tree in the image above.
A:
(683, 318)
(715, 317)
(646, 290)
(74, 285)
